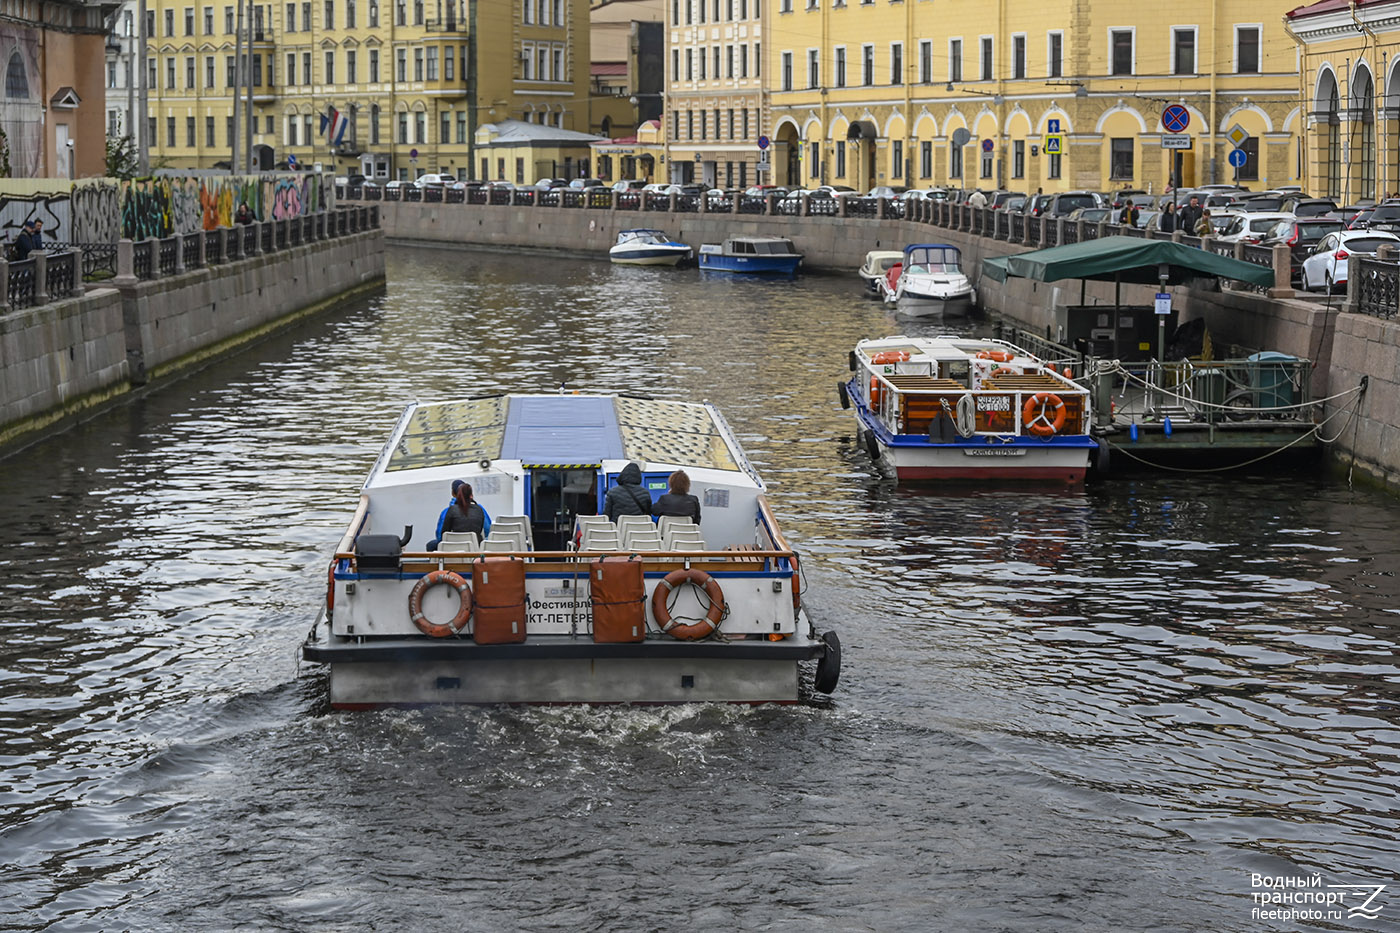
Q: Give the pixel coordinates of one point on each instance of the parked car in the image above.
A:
(1090, 215)
(887, 191)
(1035, 204)
(1300, 236)
(1359, 218)
(1384, 217)
(582, 184)
(1066, 202)
(998, 199)
(1304, 206)
(500, 185)
(761, 190)
(433, 180)
(1252, 226)
(1121, 196)
(1326, 267)
(629, 184)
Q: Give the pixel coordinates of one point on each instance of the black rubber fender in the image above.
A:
(829, 665)
(872, 446)
(844, 394)
(852, 360)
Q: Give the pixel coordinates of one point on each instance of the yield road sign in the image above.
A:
(1238, 157)
(1054, 144)
(1176, 118)
(1176, 140)
(1237, 135)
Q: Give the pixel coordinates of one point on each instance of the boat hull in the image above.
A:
(649, 257)
(559, 669)
(918, 306)
(751, 265)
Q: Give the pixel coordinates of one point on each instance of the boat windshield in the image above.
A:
(937, 260)
(773, 247)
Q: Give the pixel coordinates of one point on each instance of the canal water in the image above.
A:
(1099, 710)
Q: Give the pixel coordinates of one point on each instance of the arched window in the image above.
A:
(16, 81)
(1363, 137)
(1328, 106)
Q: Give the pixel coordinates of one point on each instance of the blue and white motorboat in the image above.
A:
(753, 255)
(929, 280)
(645, 247)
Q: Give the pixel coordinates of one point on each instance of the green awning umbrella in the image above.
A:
(1125, 259)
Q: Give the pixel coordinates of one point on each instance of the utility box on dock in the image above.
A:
(1128, 332)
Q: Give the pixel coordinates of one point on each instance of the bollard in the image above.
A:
(126, 263)
(41, 277)
(179, 253)
(1283, 272)
(256, 227)
(1353, 302)
(4, 284)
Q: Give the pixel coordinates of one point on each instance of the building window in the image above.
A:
(290, 25)
(349, 14)
(986, 44)
(229, 76)
(690, 124)
(417, 12)
(209, 71)
(729, 61)
(444, 128)
(1018, 57)
(329, 22)
(189, 132)
(743, 62)
(374, 14)
(705, 126)
(170, 132)
(897, 162)
(1250, 170)
(1247, 50)
(1120, 165)
(111, 74)
(814, 169)
(448, 63)
(189, 71)
(925, 159)
(787, 71)
(401, 61)
(954, 59)
(840, 159)
(986, 164)
(558, 63)
(690, 65)
(1054, 169)
(306, 17)
(417, 64)
(1018, 158)
(461, 127)
(432, 73)
(306, 68)
(170, 74)
(209, 24)
(839, 79)
(292, 125)
(374, 124)
(527, 62)
(1121, 51)
(403, 128)
(1054, 52)
(189, 25)
(1184, 51)
(291, 69)
(330, 67)
(757, 60)
(170, 25)
(813, 69)
(955, 157)
(867, 65)
(350, 76)
(897, 63)
(528, 12)
(228, 21)
(373, 66)
(925, 61)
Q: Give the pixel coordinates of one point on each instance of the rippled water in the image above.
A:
(1059, 711)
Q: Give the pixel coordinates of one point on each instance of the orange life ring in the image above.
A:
(876, 393)
(662, 612)
(890, 356)
(427, 582)
(1033, 414)
(1003, 371)
(996, 356)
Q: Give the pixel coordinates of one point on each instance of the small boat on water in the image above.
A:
(928, 280)
(645, 247)
(878, 263)
(559, 604)
(755, 255)
(963, 408)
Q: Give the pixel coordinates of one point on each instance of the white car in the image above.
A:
(1251, 227)
(433, 180)
(1326, 265)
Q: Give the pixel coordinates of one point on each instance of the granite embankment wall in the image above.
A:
(1276, 321)
(67, 358)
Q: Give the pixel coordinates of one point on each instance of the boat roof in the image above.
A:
(561, 430)
(913, 246)
(943, 347)
(884, 254)
(642, 230)
(758, 239)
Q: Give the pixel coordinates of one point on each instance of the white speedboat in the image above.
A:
(642, 247)
(929, 280)
(559, 604)
(877, 265)
(963, 408)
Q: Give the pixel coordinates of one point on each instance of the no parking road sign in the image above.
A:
(1176, 118)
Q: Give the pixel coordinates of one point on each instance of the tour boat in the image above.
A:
(928, 280)
(756, 255)
(963, 408)
(877, 265)
(559, 604)
(642, 247)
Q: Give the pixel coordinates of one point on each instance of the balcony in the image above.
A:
(450, 24)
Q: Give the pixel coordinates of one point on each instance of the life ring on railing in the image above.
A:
(890, 356)
(662, 612)
(1034, 414)
(876, 393)
(996, 356)
(1002, 371)
(427, 582)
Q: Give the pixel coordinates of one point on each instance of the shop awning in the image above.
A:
(1125, 259)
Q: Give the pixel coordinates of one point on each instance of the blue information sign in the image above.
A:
(1238, 157)
(1176, 118)
(1052, 126)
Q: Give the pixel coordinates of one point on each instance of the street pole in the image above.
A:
(142, 135)
(234, 165)
(248, 77)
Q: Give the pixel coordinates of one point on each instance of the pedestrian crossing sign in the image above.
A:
(1054, 144)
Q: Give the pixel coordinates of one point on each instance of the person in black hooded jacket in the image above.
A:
(627, 497)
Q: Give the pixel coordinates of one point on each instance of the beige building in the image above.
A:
(714, 91)
(1054, 96)
(415, 79)
(628, 48)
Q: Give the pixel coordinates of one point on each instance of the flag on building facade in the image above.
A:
(333, 127)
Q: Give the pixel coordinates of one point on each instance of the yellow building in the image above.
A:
(969, 94)
(714, 91)
(628, 49)
(1351, 148)
(415, 78)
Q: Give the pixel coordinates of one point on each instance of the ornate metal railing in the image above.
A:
(628, 201)
(20, 293)
(688, 203)
(213, 247)
(432, 194)
(479, 195)
(753, 204)
(1052, 233)
(60, 274)
(719, 204)
(166, 255)
(1032, 231)
(569, 197)
(190, 245)
(1377, 287)
(517, 196)
(861, 207)
(1071, 233)
(455, 196)
(599, 198)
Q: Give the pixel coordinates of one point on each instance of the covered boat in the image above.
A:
(877, 265)
(645, 247)
(963, 408)
(928, 280)
(559, 604)
(755, 255)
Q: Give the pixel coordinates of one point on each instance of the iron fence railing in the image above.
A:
(166, 255)
(213, 247)
(60, 279)
(20, 292)
(190, 247)
(753, 204)
(628, 201)
(1377, 287)
(250, 240)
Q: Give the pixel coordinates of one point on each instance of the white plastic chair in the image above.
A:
(638, 540)
(459, 541)
(512, 536)
(679, 533)
(671, 521)
(508, 522)
(497, 545)
(643, 522)
(597, 539)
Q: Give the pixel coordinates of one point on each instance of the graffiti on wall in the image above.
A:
(167, 204)
(17, 209)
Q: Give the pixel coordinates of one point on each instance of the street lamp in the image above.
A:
(69, 144)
